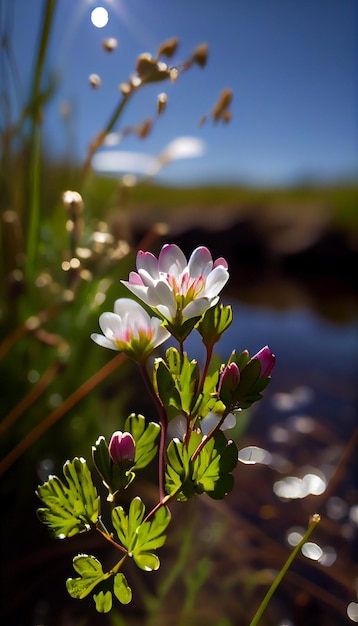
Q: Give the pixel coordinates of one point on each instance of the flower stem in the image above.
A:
(104, 532)
(35, 142)
(163, 420)
(315, 519)
(100, 137)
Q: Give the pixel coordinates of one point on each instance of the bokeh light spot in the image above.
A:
(312, 551)
(99, 17)
(352, 611)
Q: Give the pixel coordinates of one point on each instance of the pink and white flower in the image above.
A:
(130, 330)
(175, 288)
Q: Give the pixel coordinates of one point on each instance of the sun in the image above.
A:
(99, 17)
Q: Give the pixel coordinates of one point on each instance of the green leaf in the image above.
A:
(73, 507)
(91, 576)
(209, 472)
(141, 537)
(102, 460)
(216, 320)
(91, 573)
(121, 589)
(177, 381)
(103, 601)
(164, 385)
(145, 437)
(146, 561)
(181, 331)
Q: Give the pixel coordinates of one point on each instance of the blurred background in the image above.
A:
(252, 152)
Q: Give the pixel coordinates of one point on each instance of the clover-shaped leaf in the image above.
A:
(138, 536)
(91, 573)
(73, 507)
(91, 577)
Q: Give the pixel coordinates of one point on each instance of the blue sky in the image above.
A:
(292, 66)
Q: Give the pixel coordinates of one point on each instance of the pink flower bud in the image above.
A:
(121, 447)
(267, 361)
(230, 376)
(228, 383)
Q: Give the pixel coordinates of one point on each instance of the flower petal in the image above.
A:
(215, 281)
(125, 307)
(111, 325)
(148, 262)
(196, 308)
(200, 262)
(103, 341)
(171, 260)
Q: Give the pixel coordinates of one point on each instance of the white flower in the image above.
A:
(175, 288)
(131, 330)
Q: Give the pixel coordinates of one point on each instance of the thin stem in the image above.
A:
(315, 519)
(209, 353)
(35, 142)
(163, 502)
(207, 437)
(104, 532)
(99, 139)
(163, 430)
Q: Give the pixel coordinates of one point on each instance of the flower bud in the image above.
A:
(228, 383)
(267, 361)
(121, 447)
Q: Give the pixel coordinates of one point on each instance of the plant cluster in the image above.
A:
(195, 407)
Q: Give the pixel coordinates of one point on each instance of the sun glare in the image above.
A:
(99, 17)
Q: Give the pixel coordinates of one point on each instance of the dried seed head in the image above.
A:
(200, 54)
(161, 102)
(95, 81)
(168, 48)
(125, 88)
(173, 74)
(110, 44)
(145, 128)
(220, 109)
(73, 203)
(149, 70)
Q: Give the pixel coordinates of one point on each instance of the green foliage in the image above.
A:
(73, 507)
(209, 472)
(91, 576)
(140, 537)
(214, 323)
(251, 383)
(177, 381)
(145, 437)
